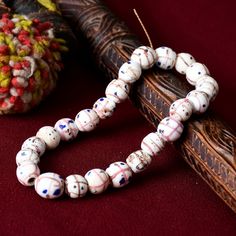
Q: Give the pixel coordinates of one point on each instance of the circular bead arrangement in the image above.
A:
(30, 59)
(118, 174)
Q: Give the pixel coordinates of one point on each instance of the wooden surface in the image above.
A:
(208, 144)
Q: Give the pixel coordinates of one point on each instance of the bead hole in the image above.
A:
(31, 181)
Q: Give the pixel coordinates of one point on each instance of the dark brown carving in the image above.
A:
(208, 145)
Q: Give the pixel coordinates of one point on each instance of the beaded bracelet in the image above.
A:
(118, 174)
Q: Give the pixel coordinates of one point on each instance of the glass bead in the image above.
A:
(98, 180)
(87, 120)
(117, 91)
(104, 107)
(67, 129)
(120, 174)
(199, 100)
(130, 72)
(183, 61)
(50, 136)
(152, 144)
(49, 185)
(170, 129)
(165, 58)
(145, 56)
(27, 155)
(27, 172)
(208, 85)
(181, 109)
(195, 72)
(36, 144)
(76, 186)
(138, 161)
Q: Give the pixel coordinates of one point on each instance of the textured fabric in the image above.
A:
(168, 198)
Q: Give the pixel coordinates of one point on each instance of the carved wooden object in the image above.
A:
(208, 145)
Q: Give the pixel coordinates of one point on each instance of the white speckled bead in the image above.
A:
(165, 58)
(152, 144)
(98, 180)
(183, 61)
(117, 90)
(49, 185)
(50, 136)
(27, 155)
(67, 129)
(145, 56)
(170, 129)
(181, 109)
(104, 107)
(208, 85)
(36, 144)
(120, 174)
(138, 161)
(76, 186)
(199, 100)
(27, 172)
(195, 72)
(130, 71)
(86, 120)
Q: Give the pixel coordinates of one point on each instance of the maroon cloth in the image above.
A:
(167, 199)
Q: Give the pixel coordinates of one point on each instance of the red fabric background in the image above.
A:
(169, 198)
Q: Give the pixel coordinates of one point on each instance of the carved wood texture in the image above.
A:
(208, 145)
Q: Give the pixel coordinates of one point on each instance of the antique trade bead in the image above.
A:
(27, 155)
(50, 136)
(152, 144)
(76, 186)
(130, 71)
(181, 109)
(36, 144)
(49, 185)
(86, 120)
(117, 90)
(138, 161)
(98, 180)
(120, 174)
(165, 58)
(67, 129)
(27, 172)
(183, 61)
(170, 129)
(199, 100)
(104, 107)
(208, 85)
(195, 72)
(145, 56)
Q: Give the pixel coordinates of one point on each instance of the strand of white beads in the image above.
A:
(51, 185)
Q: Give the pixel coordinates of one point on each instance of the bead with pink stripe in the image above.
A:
(98, 180)
(120, 174)
(170, 129)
